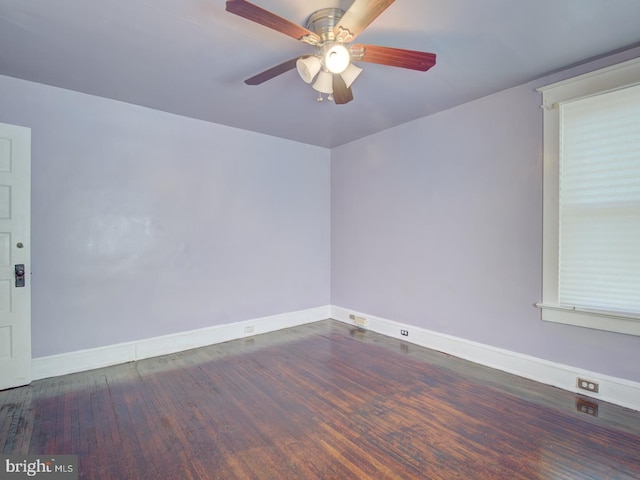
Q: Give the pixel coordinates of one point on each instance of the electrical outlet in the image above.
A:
(360, 321)
(404, 333)
(249, 329)
(587, 385)
(584, 406)
(352, 316)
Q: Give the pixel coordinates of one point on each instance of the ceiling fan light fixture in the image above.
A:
(308, 67)
(337, 58)
(324, 83)
(350, 74)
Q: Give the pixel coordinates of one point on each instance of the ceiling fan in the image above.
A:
(332, 31)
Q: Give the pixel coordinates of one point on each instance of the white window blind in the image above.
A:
(599, 202)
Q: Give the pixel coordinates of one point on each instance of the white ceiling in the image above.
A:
(190, 57)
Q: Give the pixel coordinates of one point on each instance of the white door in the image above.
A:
(15, 250)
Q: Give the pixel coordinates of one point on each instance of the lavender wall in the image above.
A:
(438, 223)
(146, 223)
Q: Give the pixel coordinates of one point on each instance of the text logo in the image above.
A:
(45, 467)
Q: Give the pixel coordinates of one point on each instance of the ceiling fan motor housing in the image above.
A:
(322, 22)
(331, 52)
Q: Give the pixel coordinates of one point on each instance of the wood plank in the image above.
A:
(319, 401)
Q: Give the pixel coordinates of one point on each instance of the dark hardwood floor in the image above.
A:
(322, 401)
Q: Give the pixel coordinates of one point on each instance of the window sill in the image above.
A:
(610, 321)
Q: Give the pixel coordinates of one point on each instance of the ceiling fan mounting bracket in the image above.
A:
(323, 21)
(357, 53)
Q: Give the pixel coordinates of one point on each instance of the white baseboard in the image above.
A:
(78, 361)
(614, 390)
(611, 389)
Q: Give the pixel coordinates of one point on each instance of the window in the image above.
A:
(591, 210)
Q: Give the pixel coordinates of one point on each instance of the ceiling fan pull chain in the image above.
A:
(319, 99)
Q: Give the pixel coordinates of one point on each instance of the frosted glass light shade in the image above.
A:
(308, 67)
(324, 83)
(350, 74)
(337, 59)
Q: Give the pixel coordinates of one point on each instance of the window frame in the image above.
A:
(600, 81)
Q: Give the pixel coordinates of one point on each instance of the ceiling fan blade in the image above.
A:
(272, 72)
(341, 93)
(359, 15)
(393, 57)
(271, 20)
